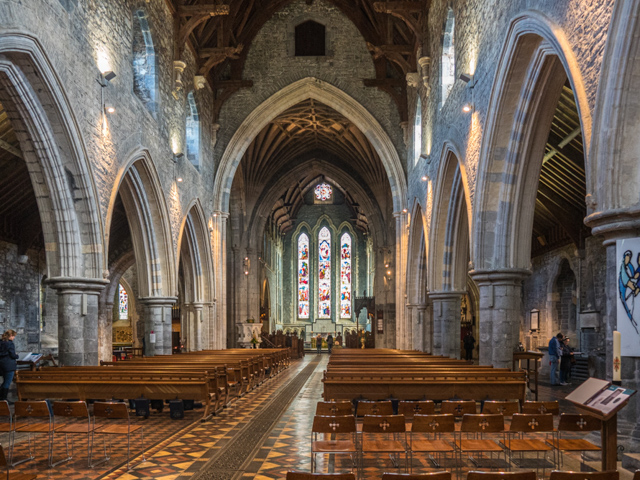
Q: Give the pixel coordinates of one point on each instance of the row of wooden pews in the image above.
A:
(213, 377)
(407, 375)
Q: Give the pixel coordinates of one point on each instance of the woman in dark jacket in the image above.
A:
(8, 363)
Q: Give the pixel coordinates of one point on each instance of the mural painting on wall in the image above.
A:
(324, 273)
(628, 306)
(303, 276)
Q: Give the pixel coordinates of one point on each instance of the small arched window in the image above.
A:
(144, 62)
(448, 56)
(193, 131)
(417, 133)
(310, 39)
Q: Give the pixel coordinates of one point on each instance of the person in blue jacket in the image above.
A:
(8, 363)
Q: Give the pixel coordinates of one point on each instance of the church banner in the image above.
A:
(628, 294)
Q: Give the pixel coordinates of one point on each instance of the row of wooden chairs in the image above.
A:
(473, 475)
(479, 436)
(453, 407)
(44, 418)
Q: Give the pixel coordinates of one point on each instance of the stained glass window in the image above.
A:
(345, 276)
(303, 276)
(123, 303)
(323, 192)
(324, 273)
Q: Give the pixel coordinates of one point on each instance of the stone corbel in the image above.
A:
(405, 133)
(200, 82)
(425, 63)
(214, 134)
(178, 69)
(412, 79)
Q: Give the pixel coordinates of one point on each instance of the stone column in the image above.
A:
(105, 330)
(499, 314)
(77, 319)
(198, 330)
(446, 323)
(400, 275)
(408, 336)
(419, 340)
(219, 249)
(157, 319)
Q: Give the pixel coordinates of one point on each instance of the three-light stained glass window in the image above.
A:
(123, 303)
(324, 273)
(345, 276)
(303, 276)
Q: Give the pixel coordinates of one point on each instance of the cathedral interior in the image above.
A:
(183, 176)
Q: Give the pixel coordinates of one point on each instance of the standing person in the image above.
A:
(330, 343)
(8, 363)
(339, 340)
(565, 362)
(555, 352)
(319, 342)
(469, 343)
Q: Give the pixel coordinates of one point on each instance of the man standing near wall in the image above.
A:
(555, 352)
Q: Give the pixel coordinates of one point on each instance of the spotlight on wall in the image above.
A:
(404, 210)
(109, 109)
(179, 179)
(109, 75)
(467, 108)
(468, 79)
(424, 178)
(177, 156)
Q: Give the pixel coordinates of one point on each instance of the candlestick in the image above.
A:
(617, 360)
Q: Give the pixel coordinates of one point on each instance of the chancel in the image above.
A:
(218, 214)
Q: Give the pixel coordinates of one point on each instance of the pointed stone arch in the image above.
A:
(417, 283)
(535, 61)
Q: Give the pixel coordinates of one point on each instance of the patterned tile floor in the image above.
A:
(180, 450)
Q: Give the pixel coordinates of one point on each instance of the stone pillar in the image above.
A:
(499, 314)
(77, 319)
(219, 249)
(419, 340)
(157, 319)
(400, 276)
(198, 330)
(105, 331)
(409, 319)
(446, 323)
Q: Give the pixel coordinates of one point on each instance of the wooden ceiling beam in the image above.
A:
(7, 147)
(208, 9)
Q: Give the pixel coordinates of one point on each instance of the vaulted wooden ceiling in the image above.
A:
(311, 128)
(560, 203)
(220, 33)
(19, 216)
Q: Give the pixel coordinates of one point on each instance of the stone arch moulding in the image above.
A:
(289, 96)
(147, 214)
(535, 60)
(416, 278)
(53, 147)
(612, 179)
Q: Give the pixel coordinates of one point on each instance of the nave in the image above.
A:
(262, 436)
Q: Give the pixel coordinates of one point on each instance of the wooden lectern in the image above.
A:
(601, 399)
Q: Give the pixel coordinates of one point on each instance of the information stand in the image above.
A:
(600, 399)
(532, 372)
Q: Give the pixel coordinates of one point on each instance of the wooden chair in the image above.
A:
(417, 476)
(384, 434)
(116, 421)
(501, 476)
(636, 476)
(421, 407)
(541, 407)
(426, 437)
(333, 435)
(481, 434)
(13, 476)
(506, 408)
(35, 418)
(576, 423)
(366, 407)
(78, 423)
(458, 408)
(7, 425)
(320, 476)
(334, 408)
(523, 425)
(610, 475)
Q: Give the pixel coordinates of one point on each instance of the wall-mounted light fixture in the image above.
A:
(425, 178)
(109, 108)
(468, 107)
(177, 156)
(468, 79)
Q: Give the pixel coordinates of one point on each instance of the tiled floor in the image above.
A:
(181, 449)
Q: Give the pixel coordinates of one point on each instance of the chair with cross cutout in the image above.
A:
(334, 435)
(458, 408)
(501, 476)
(575, 423)
(320, 476)
(368, 407)
(418, 407)
(610, 475)
(114, 420)
(524, 437)
(417, 476)
(533, 407)
(480, 437)
(384, 434)
(6, 426)
(33, 418)
(77, 422)
(428, 436)
(13, 476)
(503, 407)
(334, 408)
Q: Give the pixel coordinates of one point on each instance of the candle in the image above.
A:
(617, 360)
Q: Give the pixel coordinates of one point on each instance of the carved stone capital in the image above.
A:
(200, 82)
(412, 79)
(178, 68)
